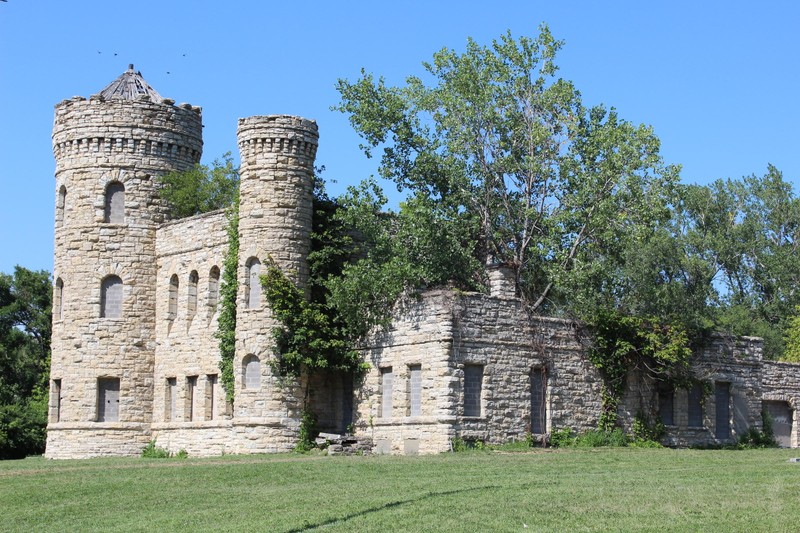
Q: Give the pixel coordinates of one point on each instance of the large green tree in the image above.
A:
(201, 189)
(25, 325)
(557, 190)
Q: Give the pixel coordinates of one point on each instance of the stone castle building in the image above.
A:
(134, 356)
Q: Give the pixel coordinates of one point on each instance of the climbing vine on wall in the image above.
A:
(226, 324)
(622, 343)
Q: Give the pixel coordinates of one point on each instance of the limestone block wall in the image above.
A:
(446, 332)
(187, 387)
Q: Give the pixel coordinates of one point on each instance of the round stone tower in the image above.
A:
(276, 192)
(108, 149)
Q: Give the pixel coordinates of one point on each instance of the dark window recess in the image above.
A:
(695, 407)
(108, 400)
(171, 401)
(191, 385)
(57, 400)
(538, 401)
(722, 400)
(473, 383)
(666, 406)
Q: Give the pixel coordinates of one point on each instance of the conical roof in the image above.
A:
(130, 86)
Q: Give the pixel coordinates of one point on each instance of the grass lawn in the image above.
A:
(599, 489)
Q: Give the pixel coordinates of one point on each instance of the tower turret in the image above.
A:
(108, 150)
(277, 180)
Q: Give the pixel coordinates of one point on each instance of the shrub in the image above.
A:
(595, 438)
(151, 451)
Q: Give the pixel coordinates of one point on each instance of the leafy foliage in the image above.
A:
(552, 188)
(200, 189)
(25, 327)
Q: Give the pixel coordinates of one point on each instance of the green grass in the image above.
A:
(555, 490)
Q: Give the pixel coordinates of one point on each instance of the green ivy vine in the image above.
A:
(229, 286)
(622, 342)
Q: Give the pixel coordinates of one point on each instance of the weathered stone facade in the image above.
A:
(134, 353)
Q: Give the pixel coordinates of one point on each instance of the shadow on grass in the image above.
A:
(389, 505)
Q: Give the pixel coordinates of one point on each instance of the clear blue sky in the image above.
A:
(719, 81)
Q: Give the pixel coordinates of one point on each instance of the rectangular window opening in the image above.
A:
(56, 401)
(538, 401)
(108, 400)
(211, 393)
(415, 390)
(666, 405)
(473, 385)
(170, 403)
(191, 385)
(387, 383)
(694, 407)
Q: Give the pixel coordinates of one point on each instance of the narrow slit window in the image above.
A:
(191, 386)
(191, 303)
(58, 299)
(170, 402)
(253, 283)
(213, 287)
(387, 386)
(174, 285)
(415, 390)
(538, 401)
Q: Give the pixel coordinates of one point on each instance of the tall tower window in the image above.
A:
(58, 299)
(61, 205)
(115, 203)
(213, 287)
(252, 288)
(251, 375)
(191, 304)
(111, 297)
(172, 311)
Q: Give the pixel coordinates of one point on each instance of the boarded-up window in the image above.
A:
(115, 203)
(387, 386)
(174, 285)
(58, 299)
(108, 400)
(213, 287)
(694, 407)
(722, 404)
(780, 415)
(253, 284)
(191, 386)
(473, 383)
(211, 396)
(538, 401)
(666, 405)
(111, 297)
(191, 303)
(415, 390)
(251, 372)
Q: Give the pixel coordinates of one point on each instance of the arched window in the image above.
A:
(61, 205)
(115, 203)
(172, 311)
(252, 288)
(251, 372)
(111, 297)
(213, 287)
(191, 304)
(58, 299)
